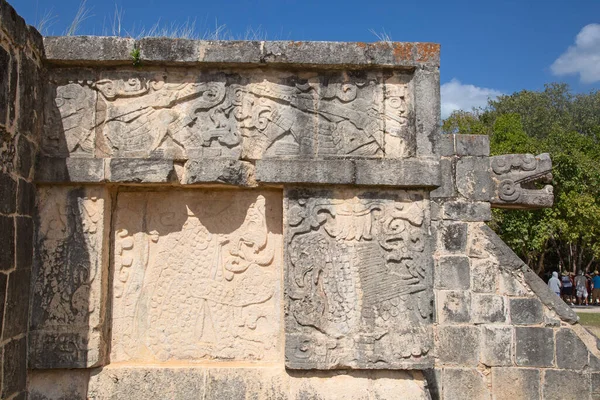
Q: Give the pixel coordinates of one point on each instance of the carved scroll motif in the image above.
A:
(196, 280)
(253, 115)
(68, 289)
(358, 273)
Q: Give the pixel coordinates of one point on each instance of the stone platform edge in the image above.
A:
(111, 50)
(399, 173)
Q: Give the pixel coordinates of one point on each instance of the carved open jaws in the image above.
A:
(517, 178)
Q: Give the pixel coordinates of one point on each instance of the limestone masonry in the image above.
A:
(261, 220)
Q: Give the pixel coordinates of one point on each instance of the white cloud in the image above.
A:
(583, 57)
(457, 96)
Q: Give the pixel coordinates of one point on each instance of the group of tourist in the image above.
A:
(581, 289)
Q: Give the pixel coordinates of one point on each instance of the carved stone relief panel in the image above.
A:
(251, 114)
(70, 278)
(197, 276)
(358, 271)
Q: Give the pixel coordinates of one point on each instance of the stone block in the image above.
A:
(69, 278)
(58, 384)
(99, 49)
(455, 237)
(496, 345)
(484, 276)
(7, 243)
(444, 146)
(434, 382)
(453, 306)
(427, 108)
(565, 384)
(354, 246)
(467, 383)
(162, 49)
(25, 157)
(398, 173)
(305, 171)
(29, 105)
(70, 170)
(571, 352)
(534, 347)
(467, 212)
(4, 83)
(8, 194)
(17, 304)
(526, 311)
(473, 179)
(197, 276)
(595, 378)
(452, 273)
(488, 308)
(231, 172)
(509, 284)
(472, 145)
(12, 89)
(131, 170)
(25, 197)
(448, 180)
(3, 282)
(14, 25)
(516, 383)
(24, 243)
(231, 51)
(14, 371)
(458, 345)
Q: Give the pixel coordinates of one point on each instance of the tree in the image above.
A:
(568, 127)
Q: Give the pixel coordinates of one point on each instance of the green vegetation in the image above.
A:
(567, 126)
(591, 321)
(135, 56)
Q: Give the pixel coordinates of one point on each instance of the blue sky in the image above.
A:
(488, 47)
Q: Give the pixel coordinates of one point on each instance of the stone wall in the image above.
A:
(21, 77)
(225, 220)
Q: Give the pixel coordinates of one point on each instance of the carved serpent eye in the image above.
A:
(509, 190)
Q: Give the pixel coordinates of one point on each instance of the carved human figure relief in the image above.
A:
(196, 276)
(69, 288)
(250, 114)
(357, 279)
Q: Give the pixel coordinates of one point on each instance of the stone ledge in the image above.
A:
(80, 50)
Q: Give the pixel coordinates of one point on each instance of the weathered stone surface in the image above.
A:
(305, 171)
(398, 173)
(132, 170)
(496, 345)
(458, 345)
(69, 278)
(465, 384)
(3, 282)
(484, 275)
(571, 352)
(468, 212)
(453, 306)
(25, 197)
(358, 279)
(14, 373)
(534, 347)
(58, 384)
(527, 311)
(253, 114)
(70, 170)
(17, 303)
(452, 273)
(473, 179)
(444, 146)
(516, 383)
(30, 111)
(487, 308)
(448, 180)
(515, 176)
(455, 237)
(218, 170)
(427, 109)
(4, 83)
(565, 385)
(472, 145)
(7, 243)
(99, 49)
(273, 383)
(25, 156)
(197, 276)
(8, 194)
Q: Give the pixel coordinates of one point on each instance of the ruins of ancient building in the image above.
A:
(261, 220)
